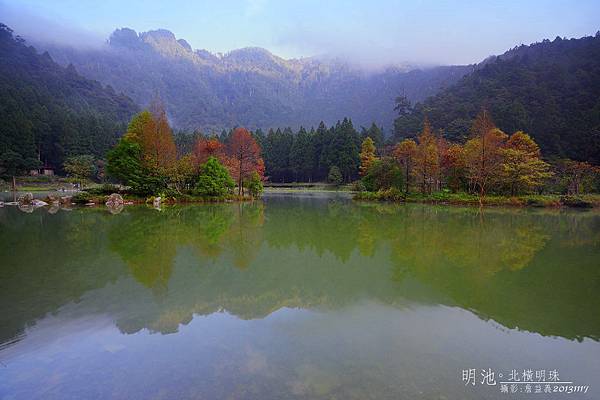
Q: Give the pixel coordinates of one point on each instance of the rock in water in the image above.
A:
(38, 203)
(51, 199)
(25, 199)
(66, 199)
(114, 200)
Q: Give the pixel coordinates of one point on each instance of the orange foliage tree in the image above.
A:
(158, 144)
(204, 148)
(427, 159)
(405, 153)
(482, 153)
(244, 157)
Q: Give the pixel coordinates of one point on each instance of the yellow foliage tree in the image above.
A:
(367, 155)
(405, 153)
(522, 168)
(427, 164)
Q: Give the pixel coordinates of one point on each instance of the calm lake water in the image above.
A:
(297, 297)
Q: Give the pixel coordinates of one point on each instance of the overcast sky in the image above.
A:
(369, 32)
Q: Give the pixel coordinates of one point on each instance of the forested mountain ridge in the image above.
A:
(49, 112)
(248, 87)
(550, 90)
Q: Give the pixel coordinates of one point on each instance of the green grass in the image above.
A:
(461, 198)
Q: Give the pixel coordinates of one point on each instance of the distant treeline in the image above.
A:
(304, 155)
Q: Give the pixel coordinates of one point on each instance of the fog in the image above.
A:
(35, 28)
(369, 34)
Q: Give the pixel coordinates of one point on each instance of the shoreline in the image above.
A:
(585, 201)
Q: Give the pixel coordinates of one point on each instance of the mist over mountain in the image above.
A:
(248, 87)
(50, 112)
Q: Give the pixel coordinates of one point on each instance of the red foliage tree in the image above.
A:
(243, 157)
(208, 147)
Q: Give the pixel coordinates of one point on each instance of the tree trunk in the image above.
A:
(14, 184)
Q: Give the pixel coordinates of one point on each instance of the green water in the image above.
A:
(296, 297)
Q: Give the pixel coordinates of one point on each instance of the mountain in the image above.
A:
(249, 87)
(49, 111)
(550, 90)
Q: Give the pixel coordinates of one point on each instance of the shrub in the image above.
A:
(358, 186)
(390, 194)
(382, 175)
(82, 198)
(105, 189)
(214, 179)
(575, 201)
(255, 185)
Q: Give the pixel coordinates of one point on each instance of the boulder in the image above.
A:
(115, 200)
(52, 199)
(66, 200)
(25, 199)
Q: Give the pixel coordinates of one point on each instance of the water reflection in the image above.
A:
(532, 270)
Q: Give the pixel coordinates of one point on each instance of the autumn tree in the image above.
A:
(181, 174)
(135, 129)
(367, 155)
(482, 153)
(204, 148)
(405, 153)
(522, 168)
(244, 157)
(157, 142)
(452, 164)
(576, 177)
(146, 158)
(427, 159)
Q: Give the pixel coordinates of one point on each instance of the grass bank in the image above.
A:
(546, 200)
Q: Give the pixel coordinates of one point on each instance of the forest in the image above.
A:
(50, 113)
(548, 89)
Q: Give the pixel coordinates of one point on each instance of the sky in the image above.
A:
(375, 32)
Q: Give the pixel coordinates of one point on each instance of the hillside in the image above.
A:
(49, 111)
(550, 90)
(249, 87)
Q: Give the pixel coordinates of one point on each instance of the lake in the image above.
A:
(299, 296)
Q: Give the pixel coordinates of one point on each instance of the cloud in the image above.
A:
(34, 28)
(255, 7)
